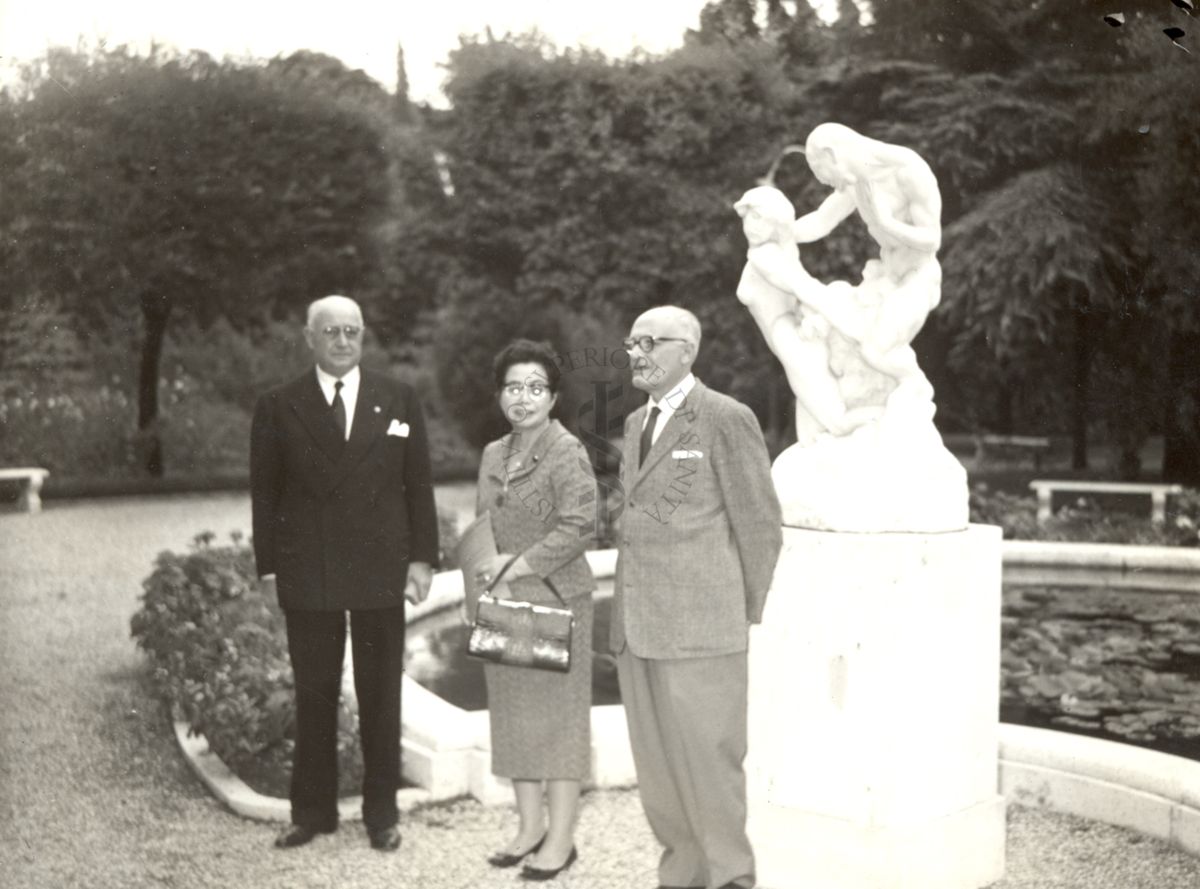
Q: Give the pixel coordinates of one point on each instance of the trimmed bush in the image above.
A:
(1083, 521)
(218, 648)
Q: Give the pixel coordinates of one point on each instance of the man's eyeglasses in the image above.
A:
(351, 331)
(535, 390)
(647, 343)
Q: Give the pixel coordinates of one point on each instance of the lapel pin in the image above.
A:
(376, 408)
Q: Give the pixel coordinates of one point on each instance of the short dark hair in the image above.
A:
(523, 351)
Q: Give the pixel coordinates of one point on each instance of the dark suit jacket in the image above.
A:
(338, 521)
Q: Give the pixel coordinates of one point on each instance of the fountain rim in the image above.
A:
(1106, 781)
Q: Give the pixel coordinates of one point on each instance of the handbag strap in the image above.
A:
(491, 586)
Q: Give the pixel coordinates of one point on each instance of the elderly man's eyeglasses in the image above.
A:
(647, 343)
(535, 390)
(350, 331)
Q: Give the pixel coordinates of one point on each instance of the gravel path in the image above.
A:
(94, 793)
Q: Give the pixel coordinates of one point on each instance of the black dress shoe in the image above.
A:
(506, 859)
(385, 839)
(297, 835)
(537, 873)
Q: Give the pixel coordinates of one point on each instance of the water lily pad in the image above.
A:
(1153, 717)
(1078, 723)
(1048, 686)
(1157, 614)
(1125, 663)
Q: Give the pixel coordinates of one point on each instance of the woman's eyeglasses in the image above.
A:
(535, 390)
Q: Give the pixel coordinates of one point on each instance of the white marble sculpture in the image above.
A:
(867, 456)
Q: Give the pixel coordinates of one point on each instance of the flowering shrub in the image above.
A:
(218, 648)
(1082, 521)
(78, 417)
(76, 432)
(1016, 515)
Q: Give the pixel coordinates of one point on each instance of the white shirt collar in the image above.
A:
(674, 399)
(349, 383)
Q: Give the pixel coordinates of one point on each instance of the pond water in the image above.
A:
(1122, 665)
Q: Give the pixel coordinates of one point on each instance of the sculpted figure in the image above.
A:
(897, 196)
(774, 287)
(867, 455)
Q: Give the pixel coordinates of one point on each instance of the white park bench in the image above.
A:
(30, 478)
(1158, 494)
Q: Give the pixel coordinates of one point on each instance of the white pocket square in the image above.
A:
(686, 455)
(398, 428)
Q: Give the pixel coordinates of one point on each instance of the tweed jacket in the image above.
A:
(699, 534)
(337, 521)
(543, 506)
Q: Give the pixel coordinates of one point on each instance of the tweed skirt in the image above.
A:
(541, 721)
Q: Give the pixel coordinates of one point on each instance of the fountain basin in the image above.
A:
(447, 750)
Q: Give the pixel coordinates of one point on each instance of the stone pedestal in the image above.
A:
(873, 724)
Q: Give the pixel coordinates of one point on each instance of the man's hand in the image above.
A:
(420, 576)
(268, 585)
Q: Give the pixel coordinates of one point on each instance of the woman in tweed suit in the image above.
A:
(538, 485)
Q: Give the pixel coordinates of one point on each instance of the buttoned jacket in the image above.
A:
(542, 497)
(338, 520)
(699, 532)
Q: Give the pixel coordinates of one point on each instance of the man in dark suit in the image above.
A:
(699, 536)
(344, 521)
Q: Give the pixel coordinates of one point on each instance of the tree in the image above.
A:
(161, 186)
(1145, 124)
(796, 34)
(961, 35)
(589, 188)
(1042, 267)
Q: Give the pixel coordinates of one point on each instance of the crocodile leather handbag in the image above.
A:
(522, 634)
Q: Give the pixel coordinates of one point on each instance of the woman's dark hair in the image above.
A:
(524, 351)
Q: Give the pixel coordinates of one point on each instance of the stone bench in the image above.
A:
(1158, 492)
(30, 479)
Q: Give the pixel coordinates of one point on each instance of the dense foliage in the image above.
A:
(78, 423)
(586, 189)
(142, 189)
(218, 653)
(219, 658)
(564, 192)
(589, 187)
(1083, 520)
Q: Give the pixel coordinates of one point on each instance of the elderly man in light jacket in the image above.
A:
(699, 536)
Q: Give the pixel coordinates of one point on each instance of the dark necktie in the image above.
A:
(339, 410)
(647, 435)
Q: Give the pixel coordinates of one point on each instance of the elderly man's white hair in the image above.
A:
(678, 315)
(331, 302)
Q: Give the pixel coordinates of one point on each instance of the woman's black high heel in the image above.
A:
(537, 873)
(507, 859)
